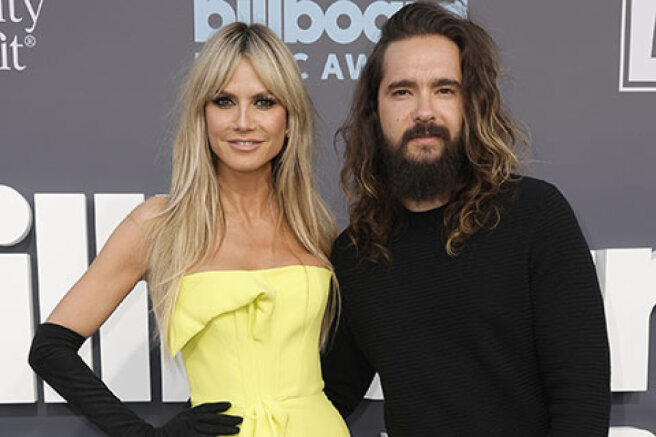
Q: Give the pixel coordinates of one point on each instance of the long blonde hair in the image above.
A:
(187, 229)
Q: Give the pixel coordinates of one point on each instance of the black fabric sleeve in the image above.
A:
(346, 371)
(54, 357)
(569, 324)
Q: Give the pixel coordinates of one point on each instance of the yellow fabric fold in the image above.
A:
(189, 318)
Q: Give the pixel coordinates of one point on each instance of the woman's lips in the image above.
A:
(244, 145)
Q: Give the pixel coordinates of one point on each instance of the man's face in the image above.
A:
(420, 104)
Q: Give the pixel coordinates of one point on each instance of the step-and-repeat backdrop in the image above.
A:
(86, 120)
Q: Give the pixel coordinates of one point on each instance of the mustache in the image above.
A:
(424, 130)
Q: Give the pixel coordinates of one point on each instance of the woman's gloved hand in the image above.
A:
(200, 421)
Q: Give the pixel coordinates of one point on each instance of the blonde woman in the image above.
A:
(236, 257)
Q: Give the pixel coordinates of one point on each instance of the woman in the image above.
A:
(235, 257)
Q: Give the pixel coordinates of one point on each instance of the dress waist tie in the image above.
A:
(268, 418)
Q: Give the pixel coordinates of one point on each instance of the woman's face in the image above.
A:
(245, 124)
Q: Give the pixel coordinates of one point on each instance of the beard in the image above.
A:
(420, 179)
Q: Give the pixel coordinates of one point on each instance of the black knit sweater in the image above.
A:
(506, 339)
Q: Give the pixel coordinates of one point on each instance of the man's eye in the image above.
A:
(401, 93)
(265, 102)
(222, 101)
(446, 91)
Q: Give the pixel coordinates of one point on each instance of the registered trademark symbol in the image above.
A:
(30, 41)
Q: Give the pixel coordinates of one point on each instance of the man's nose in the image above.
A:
(424, 110)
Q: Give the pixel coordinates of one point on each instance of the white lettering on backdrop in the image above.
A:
(627, 278)
(638, 46)
(306, 22)
(23, 15)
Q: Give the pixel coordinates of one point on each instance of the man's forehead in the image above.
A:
(422, 58)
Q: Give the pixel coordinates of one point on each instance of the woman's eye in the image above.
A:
(265, 102)
(222, 101)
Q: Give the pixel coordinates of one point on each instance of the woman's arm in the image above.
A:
(120, 264)
(117, 268)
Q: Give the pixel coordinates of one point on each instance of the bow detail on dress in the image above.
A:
(198, 304)
(269, 418)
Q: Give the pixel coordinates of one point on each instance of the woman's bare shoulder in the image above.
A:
(146, 211)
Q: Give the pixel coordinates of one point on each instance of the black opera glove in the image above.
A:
(199, 421)
(54, 357)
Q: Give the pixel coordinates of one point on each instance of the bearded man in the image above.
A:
(470, 290)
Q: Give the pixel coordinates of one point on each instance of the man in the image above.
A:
(468, 289)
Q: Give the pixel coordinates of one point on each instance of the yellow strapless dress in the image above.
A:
(251, 337)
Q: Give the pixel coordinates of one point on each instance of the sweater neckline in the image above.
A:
(428, 212)
(430, 216)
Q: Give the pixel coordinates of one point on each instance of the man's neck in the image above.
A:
(424, 205)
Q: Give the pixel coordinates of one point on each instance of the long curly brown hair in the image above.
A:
(489, 138)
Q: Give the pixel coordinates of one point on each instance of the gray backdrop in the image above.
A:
(91, 112)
